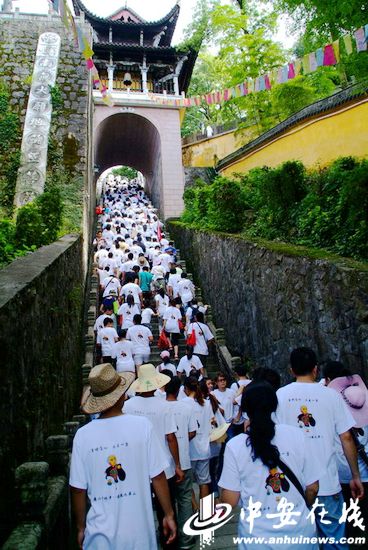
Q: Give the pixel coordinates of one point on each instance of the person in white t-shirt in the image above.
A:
(190, 363)
(166, 363)
(106, 338)
(203, 337)
(147, 314)
(172, 283)
(100, 319)
(164, 425)
(182, 413)
(199, 446)
(134, 290)
(127, 311)
(142, 339)
(355, 394)
(171, 319)
(114, 458)
(256, 470)
(165, 260)
(111, 286)
(224, 396)
(185, 289)
(162, 302)
(321, 414)
(122, 351)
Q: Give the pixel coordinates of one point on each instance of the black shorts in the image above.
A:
(174, 337)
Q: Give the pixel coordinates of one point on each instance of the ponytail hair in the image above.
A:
(191, 383)
(259, 401)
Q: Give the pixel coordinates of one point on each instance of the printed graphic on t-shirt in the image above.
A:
(305, 418)
(277, 482)
(114, 471)
(140, 335)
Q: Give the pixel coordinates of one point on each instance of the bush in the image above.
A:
(29, 226)
(325, 208)
(226, 205)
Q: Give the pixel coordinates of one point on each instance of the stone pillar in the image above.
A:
(58, 454)
(144, 72)
(110, 72)
(32, 171)
(31, 481)
(176, 84)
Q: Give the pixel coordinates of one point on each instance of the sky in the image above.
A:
(151, 10)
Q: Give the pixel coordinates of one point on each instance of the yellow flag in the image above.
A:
(336, 49)
(87, 52)
(306, 66)
(348, 44)
(298, 66)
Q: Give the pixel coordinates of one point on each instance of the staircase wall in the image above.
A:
(41, 303)
(270, 302)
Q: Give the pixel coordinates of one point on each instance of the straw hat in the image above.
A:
(149, 379)
(355, 394)
(107, 386)
(219, 432)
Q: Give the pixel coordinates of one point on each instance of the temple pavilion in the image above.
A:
(135, 55)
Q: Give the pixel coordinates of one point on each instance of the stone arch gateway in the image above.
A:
(147, 139)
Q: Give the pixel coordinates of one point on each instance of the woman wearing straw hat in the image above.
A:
(114, 459)
(355, 395)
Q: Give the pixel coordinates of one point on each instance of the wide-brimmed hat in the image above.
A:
(219, 432)
(355, 394)
(107, 386)
(141, 260)
(149, 379)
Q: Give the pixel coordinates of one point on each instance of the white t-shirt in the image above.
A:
(111, 286)
(121, 513)
(134, 290)
(147, 313)
(321, 414)
(185, 290)
(254, 480)
(156, 410)
(342, 464)
(128, 313)
(199, 446)
(165, 260)
(226, 400)
(173, 283)
(123, 353)
(161, 304)
(140, 337)
(107, 338)
(99, 322)
(172, 316)
(203, 335)
(182, 413)
(186, 365)
(168, 366)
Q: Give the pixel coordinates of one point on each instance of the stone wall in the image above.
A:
(41, 303)
(71, 127)
(268, 302)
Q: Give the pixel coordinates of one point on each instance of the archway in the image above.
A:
(132, 140)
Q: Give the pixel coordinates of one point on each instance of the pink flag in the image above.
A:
(90, 64)
(291, 71)
(329, 56)
(267, 82)
(226, 94)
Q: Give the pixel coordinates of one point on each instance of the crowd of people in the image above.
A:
(161, 435)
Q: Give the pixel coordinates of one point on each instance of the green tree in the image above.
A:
(125, 172)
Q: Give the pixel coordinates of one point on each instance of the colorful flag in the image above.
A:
(329, 56)
(361, 43)
(257, 84)
(284, 74)
(267, 82)
(336, 49)
(291, 71)
(312, 62)
(319, 57)
(305, 61)
(348, 44)
(262, 83)
(298, 67)
(90, 64)
(87, 51)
